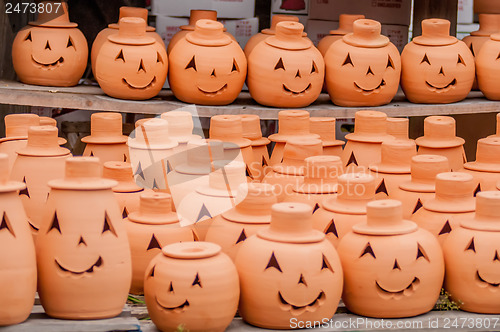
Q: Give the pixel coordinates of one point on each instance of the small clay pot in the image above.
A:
(288, 271)
(207, 67)
(336, 215)
(253, 132)
(436, 68)
(398, 128)
(131, 64)
(149, 229)
(471, 255)
(346, 22)
(50, 51)
(83, 255)
(486, 168)
(439, 139)
(486, 68)
(325, 128)
(394, 283)
(18, 263)
(285, 70)
(194, 285)
(363, 68)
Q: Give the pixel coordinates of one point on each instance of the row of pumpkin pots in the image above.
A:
(359, 65)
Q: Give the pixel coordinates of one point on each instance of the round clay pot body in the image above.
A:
(486, 167)
(288, 271)
(487, 69)
(83, 254)
(345, 26)
(50, 51)
(285, 70)
(107, 152)
(436, 67)
(131, 65)
(198, 279)
(386, 283)
(207, 67)
(363, 69)
(18, 260)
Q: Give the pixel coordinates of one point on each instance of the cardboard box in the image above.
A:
(292, 7)
(224, 8)
(396, 12)
(302, 18)
(465, 11)
(398, 34)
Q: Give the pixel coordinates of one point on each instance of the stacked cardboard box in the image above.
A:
(299, 8)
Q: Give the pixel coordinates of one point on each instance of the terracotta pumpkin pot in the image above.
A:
(207, 67)
(394, 168)
(253, 132)
(291, 123)
(364, 146)
(39, 162)
(149, 229)
(83, 255)
(231, 228)
(336, 215)
(439, 139)
(18, 260)
(194, 285)
(471, 255)
(113, 28)
(325, 128)
(290, 173)
(320, 181)
(363, 68)
(131, 64)
(486, 168)
(16, 134)
(487, 6)
(422, 186)
(288, 271)
(398, 127)
(285, 70)
(386, 283)
(486, 68)
(346, 22)
(50, 51)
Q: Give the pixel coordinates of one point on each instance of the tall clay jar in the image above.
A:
(83, 254)
(131, 64)
(383, 282)
(113, 28)
(325, 128)
(363, 68)
(207, 67)
(487, 69)
(193, 285)
(285, 70)
(436, 68)
(486, 167)
(346, 22)
(231, 228)
(288, 272)
(18, 260)
(149, 229)
(50, 51)
(454, 201)
(253, 132)
(471, 257)
(336, 215)
(39, 162)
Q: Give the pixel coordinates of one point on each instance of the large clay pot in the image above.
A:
(363, 68)
(113, 28)
(149, 229)
(39, 162)
(192, 285)
(18, 260)
(395, 166)
(83, 255)
(422, 186)
(487, 69)
(253, 132)
(16, 134)
(382, 281)
(436, 68)
(486, 168)
(346, 22)
(131, 64)
(336, 215)
(290, 173)
(51, 50)
(320, 181)
(325, 128)
(207, 67)
(398, 127)
(364, 146)
(440, 139)
(231, 228)
(291, 123)
(454, 201)
(487, 6)
(471, 257)
(285, 70)
(288, 271)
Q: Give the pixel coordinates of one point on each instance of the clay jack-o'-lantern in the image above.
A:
(50, 51)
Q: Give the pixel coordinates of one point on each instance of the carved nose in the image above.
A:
(141, 67)
(496, 258)
(213, 73)
(302, 280)
(298, 74)
(369, 71)
(171, 288)
(82, 241)
(441, 71)
(396, 265)
(47, 46)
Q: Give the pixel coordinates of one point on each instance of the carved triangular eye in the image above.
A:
(446, 228)
(28, 37)
(421, 252)
(314, 69)
(191, 64)
(498, 56)
(120, 56)
(279, 65)
(70, 43)
(242, 236)
(425, 59)
(471, 246)
(273, 262)
(108, 226)
(332, 229)
(472, 50)
(348, 60)
(316, 207)
(197, 281)
(47, 46)
(352, 160)
(390, 63)
(326, 264)
(159, 58)
(25, 191)
(368, 250)
(154, 244)
(382, 188)
(124, 213)
(139, 171)
(418, 206)
(460, 60)
(55, 224)
(152, 273)
(235, 66)
(203, 213)
(478, 189)
(6, 224)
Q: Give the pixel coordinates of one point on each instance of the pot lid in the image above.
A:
(105, 128)
(200, 155)
(191, 250)
(325, 128)
(398, 127)
(424, 169)
(295, 153)
(346, 22)
(369, 126)
(487, 156)
(366, 33)
(126, 11)
(122, 173)
(225, 179)
(385, 217)
(488, 25)
(288, 36)
(355, 190)
(487, 216)
(320, 175)
(43, 142)
(439, 132)
(16, 125)
(256, 200)
(131, 31)
(82, 173)
(277, 18)
(155, 208)
(292, 123)
(56, 18)
(454, 193)
(197, 14)
(152, 135)
(180, 126)
(208, 33)
(396, 157)
(228, 128)
(435, 32)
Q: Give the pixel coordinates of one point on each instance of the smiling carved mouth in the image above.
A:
(48, 65)
(297, 310)
(296, 92)
(175, 309)
(486, 283)
(370, 91)
(214, 93)
(442, 89)
(150, 84)
(98, 263)
(409, 290)
(33, 227)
